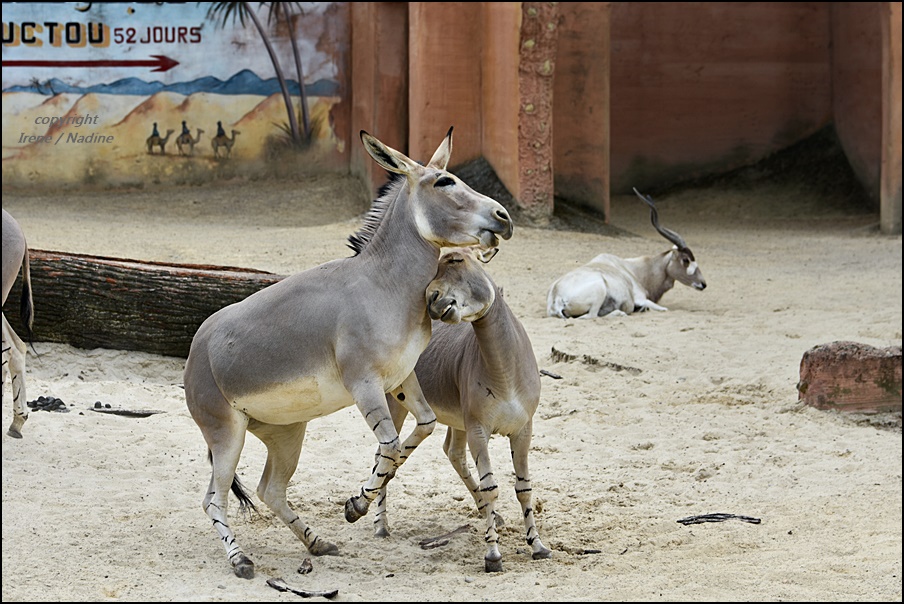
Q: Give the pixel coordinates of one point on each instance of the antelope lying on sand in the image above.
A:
(15, 256)
(340, 334)
(609, 285)
(480, 379)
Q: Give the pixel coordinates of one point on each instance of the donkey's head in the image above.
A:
(682, 266)
(461, 290)
(447, 212)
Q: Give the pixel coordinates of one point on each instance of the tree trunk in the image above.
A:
(96, 302)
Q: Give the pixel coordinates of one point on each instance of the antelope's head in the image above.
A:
(682, 266)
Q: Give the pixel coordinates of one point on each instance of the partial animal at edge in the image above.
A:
(15, 257)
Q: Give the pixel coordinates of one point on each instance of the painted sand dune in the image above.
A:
(117, 143)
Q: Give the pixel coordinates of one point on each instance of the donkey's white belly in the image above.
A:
(300, 400)
(310, 397)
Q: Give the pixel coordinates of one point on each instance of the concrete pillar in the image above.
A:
(581, 106)
(444, 78)
(890, 187)
(536, 71)
(379, 82)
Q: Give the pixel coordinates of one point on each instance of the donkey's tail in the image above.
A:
(239, 490)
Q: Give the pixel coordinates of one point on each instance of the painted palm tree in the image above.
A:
(299, 68)
(224, 11)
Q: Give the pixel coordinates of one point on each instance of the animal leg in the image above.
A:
(224, 429)
(381, 516)
(372, 404)
(14, 354)
(283, 449)
(642, 303)
(392, 454)
(478, 441)
(455, 448)
(520, 445)
(226, 452)
(594, 310)
(412, 398)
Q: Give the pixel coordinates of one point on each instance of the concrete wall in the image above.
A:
(857, 87)
(705, 87)
(105, 82)
(571, 99)
(379, 82)
(581, 105)
(444, 42)
(500, 39)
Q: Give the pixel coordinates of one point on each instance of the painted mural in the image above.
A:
(175, 92)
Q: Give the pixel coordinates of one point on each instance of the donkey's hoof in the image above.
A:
(542, 554)
(492, 566)
(352, 512)
(324, 548)
(243, 568)
(15, 428)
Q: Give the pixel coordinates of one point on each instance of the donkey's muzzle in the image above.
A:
(444, 309)
(507, 226)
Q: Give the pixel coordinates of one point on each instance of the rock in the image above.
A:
(849, 376)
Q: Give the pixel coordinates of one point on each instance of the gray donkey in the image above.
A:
(15, 257)
(339, 334)
(480, 376)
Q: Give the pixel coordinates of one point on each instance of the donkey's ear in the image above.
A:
(486, 255)
(442, 154)
(386, 156)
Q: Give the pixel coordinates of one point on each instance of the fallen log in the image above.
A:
(98, 302)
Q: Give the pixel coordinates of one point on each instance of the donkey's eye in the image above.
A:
(445, 181)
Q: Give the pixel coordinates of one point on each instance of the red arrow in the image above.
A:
(159, 62)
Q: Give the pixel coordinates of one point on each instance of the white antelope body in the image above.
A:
(15, 257)
(342, 333)
(480, 376)
(610, 285)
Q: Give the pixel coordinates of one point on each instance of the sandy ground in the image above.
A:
(669, 415)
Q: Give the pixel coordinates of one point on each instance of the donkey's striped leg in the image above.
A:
(225, 453)
(224, 429)
(478, 443)
(520, 445)
(455, 448)
(372, 404)
(410, 395)
(381, 515)
(283, 449)
(14, 354)
(392, 454)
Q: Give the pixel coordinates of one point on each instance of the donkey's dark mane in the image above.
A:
(387, 193)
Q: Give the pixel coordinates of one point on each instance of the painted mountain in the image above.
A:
(244, 82)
